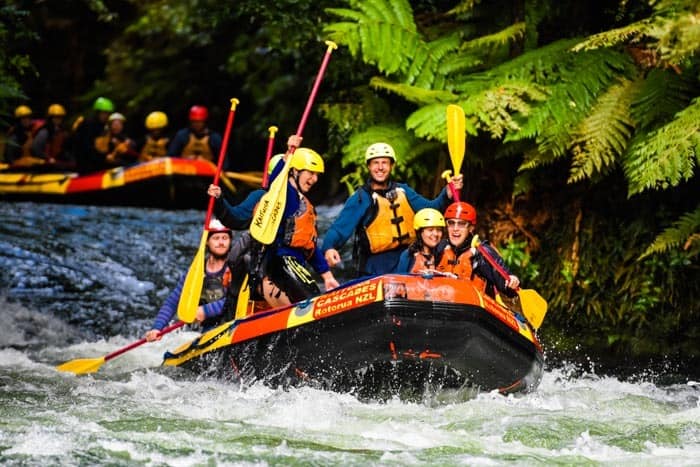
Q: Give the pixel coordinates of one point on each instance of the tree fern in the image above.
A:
(667, 156)
(663, 94)
(604, 133)
(685, 233)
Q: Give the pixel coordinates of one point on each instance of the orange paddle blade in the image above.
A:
(192, 288)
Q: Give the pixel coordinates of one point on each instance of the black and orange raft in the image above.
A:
(167, 182)
(391, 334)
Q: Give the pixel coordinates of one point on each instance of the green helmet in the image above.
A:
(103, 104)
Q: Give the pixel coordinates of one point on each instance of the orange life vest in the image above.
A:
(198, 147)
(103, 143)
(461, 266)
(300, 228)
(392, 225)
(154, 148)
(422, 261)
(54, 145)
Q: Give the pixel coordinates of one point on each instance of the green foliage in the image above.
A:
(518, 260)
(604, 133)
(684, 233)
(668, 155)
(13, 63)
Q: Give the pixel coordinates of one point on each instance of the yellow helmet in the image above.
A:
(156, 120)
(380, 150)
(56, 110)
(23, 111)
(307, 159)
(428, 217)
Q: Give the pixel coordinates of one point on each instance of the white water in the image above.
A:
(82, 282)
(131, 413)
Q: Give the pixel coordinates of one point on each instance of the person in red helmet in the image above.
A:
(461, 257)
(197, 141)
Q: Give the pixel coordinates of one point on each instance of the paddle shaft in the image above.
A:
(270, 144)
(222, 156)
(116, 353)
(493, 263)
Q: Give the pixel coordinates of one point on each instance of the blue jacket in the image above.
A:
(169, 308)
(239, 217)
(356, 214)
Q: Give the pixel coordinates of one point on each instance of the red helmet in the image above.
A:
(461, 210)
(198, 112)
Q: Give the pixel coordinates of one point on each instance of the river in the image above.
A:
(80, 282)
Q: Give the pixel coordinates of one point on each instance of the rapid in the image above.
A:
(80, 282)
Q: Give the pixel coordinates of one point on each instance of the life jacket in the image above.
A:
(215, 285)
(54, 144)
(154, 148)
(422, 261)
(103, 143)
(459, 264)
(300, 228)
(462, 265)
(198, 147)
(391, 225)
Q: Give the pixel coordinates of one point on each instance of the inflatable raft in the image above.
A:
(168, 183)
(377, 337)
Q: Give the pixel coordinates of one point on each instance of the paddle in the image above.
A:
(81, 366)
(456, 137)
(192, 288)
(533, 305)
(268, 154)
(268, 215)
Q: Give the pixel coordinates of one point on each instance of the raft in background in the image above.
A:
(378, 337)
(167, 183)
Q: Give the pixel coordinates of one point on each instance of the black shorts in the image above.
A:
(292, 278)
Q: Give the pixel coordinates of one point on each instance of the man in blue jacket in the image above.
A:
(380, 213)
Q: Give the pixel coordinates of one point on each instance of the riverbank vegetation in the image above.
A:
(583, 122)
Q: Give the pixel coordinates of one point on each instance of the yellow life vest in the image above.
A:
(392, 226)
(154, 148)
(198, 147)
(102, 143)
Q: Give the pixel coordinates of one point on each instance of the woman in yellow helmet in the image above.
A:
(284, 279)
(422, 255)
(155, 143)
(50, 141)
(20, 137)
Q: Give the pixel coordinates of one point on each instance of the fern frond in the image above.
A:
(508, 35)
(412, 93)
(684, 233)
(383, 31)
(604, 133)
(384, 34)
(626, 34)
(666, 156)
(663, 94)
(465, 6)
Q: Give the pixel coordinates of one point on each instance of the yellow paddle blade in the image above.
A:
(81, 366)
(268, 214)
(533, 305)
(456, 136)
(192, 288)
(243, 297)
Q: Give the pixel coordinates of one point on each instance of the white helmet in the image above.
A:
(380, 150)
(215, 226)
